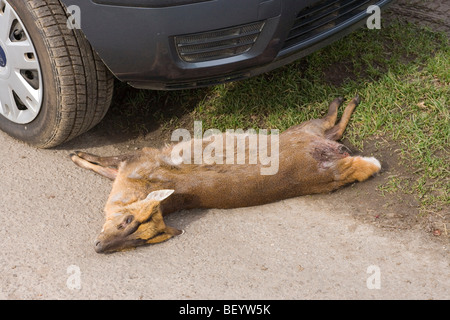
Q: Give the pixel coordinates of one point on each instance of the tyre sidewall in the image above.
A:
(40, 131)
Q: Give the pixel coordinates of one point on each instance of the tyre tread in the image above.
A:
(85, 83)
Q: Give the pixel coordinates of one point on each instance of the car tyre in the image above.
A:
(66, 90)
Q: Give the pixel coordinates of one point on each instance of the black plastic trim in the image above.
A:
(148, 3)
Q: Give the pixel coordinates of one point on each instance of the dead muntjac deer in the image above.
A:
(150, 183)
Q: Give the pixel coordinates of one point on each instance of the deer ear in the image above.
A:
(159, 195)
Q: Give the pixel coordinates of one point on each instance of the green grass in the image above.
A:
(401, 72)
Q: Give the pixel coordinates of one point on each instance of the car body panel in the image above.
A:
(137, 42)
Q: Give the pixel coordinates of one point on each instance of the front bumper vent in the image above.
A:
(322, 17)
(218, 44)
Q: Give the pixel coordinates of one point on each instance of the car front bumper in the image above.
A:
(142, 41)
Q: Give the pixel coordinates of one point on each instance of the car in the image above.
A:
(59, 58)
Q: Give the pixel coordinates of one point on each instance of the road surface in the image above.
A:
(300, 248)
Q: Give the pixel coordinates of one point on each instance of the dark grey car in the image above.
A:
(58, 59)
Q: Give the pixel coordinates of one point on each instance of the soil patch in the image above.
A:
(338, 73)
(375, 202)
(395, 210)
(433, 13)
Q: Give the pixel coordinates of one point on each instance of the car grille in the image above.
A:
(206, 82)
(218, 44)
(322, 17)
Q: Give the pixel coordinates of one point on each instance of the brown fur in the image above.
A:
(310, 161)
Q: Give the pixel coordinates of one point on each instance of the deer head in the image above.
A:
(135, 224)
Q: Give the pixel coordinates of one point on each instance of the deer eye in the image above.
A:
(129, 219)
(125, 222)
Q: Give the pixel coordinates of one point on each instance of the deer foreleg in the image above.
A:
(113, 161)
(109, 173)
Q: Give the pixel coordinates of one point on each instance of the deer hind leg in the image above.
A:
(336, 131)
(319, 126)
(79, 160)
(329, 120)
(357, 168)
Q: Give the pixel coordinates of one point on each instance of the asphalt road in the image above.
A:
(302, 248)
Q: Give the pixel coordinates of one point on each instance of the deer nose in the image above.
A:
(98, 246)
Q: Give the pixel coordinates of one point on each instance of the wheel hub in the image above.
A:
(4, 67)
(2, 57)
